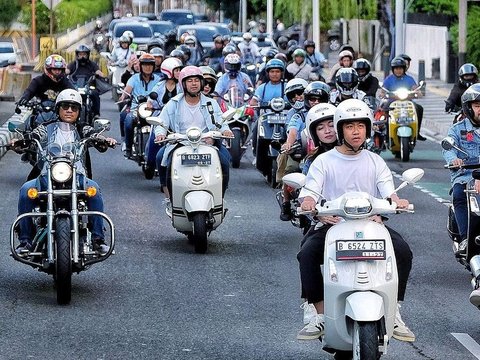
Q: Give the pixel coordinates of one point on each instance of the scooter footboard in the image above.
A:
(356, 309)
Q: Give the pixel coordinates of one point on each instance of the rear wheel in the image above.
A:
(236, 148)
(200, 233)
(63, 260)
(365, 341)
(405, 149)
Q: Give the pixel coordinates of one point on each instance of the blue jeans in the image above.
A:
(459, 200)
(25, 205)
(123, 115)
(129, 120)
(151, 150)
(223, 154)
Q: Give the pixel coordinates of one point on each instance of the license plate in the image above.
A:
(276, 119)
(360, 249)
(196, 159)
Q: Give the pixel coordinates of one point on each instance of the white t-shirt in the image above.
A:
(332, 174)
(191, 116)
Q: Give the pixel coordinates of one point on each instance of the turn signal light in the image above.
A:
(32, 193)
(91, 191)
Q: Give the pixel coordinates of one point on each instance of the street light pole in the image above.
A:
(462, 32)
(316, 22)
(399, 9)
(270, 17)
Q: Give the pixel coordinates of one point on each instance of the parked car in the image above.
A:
(203, 33)
(142, 33)
(178, 16)
(161, 27)
(8, 54)
(222, 28)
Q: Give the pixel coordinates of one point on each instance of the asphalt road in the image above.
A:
(157, 299)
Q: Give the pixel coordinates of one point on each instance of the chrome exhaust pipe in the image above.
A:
(475, 266)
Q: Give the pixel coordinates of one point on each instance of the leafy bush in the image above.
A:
(473, 34)
(9, 13)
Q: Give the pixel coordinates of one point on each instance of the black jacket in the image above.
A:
(45, 88)
(455, 97)
(369, 86)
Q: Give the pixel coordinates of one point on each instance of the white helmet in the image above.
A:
(68, 96)
(317, 114)
(295, 87)
(98, 24)
(247, 36)
(190, 40)
(170, 64)
(352, 110)
(129, 34)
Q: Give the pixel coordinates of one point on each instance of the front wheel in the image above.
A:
(200, 233)
(365, 341)
(405, 149)
(63, 260)
(273, 176)
(236, 148)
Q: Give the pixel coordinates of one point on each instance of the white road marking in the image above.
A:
(470, 344)
(441, 200)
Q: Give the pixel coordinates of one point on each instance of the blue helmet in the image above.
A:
(275, 64)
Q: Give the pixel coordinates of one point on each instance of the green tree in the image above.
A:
(473, 34)
(444, 7)
(42, 16)
(9, 13)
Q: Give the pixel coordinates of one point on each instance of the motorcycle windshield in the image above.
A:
(235, 97)
(80, 81)
(66, 150)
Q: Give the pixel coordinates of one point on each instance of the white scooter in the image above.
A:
(196, 185)
(360, 273)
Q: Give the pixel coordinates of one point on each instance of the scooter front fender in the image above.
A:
(196, 201)
(364, 306)
(404, 131)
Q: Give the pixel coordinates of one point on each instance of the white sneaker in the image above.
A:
(124, 146)
(400, 330)
(309, 312)
(314, 329)
(475, 297)
(168, 207)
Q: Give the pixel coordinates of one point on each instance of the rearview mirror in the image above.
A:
(410, 177)
(16, 126)
(448, 143)
(154, 120)
(227, 115)
(101, 124)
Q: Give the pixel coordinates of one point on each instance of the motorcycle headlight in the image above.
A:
(251, 67)
(277, 104)
(194, 135)
(402, 94)
(144, 111)
(99, 39)
(61, 172)
(359, 206)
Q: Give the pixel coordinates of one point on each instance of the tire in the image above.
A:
(200, 233)
(365, 341)
(63, 260)
(405, 149)
(273, 168)
(115, 96)
(236, 148)
(262, 156)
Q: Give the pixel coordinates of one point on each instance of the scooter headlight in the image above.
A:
(194, 135)
(251, 67)
(144, 111)
(358, 206)
(61, 172)
(402, 94)
(277, 104)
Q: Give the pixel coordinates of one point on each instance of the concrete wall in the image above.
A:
(80, 32)
(427, 42)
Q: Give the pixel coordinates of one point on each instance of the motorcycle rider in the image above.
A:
(171, 41)
(467, 76)
(84, 67)
(347, 167)
(139, 84)
(250, 53)
(210, 80)
(296, 123)
(399, 79)
(159, 56)
(346, 82)
(122, 52)
(465, 134)
(165, 89)
(187, 109)
(45, 87)
(366, 81)
(67, 108)
(196, 51)
(262, 74)
(99, 31)
(214, 57)
(345, 60)
(282, 43)
(314, 57)
(233, 77)
(299, 67)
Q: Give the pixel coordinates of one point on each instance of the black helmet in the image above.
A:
(362, 64)
(186, 50)
(156, 42)
(282, 42)
(271, 54)
(171, 35)
(85, 49)
(308, 43)
(398, 62)
(467, 69)
(177, 53)
(316, 89)
(470, 95)
(346, 47)
(347, 81)
(405, 57)
(292, 42)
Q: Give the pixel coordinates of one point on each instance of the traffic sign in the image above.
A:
(51, 4)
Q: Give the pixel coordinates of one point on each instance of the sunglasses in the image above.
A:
(295, 93)
(65, 106)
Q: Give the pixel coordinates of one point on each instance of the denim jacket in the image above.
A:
(467, 137)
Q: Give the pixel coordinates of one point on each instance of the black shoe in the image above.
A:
(128, 153)
(421, 138)
(100, 247)
(286, 214)
(23, 249)
(149, 172)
